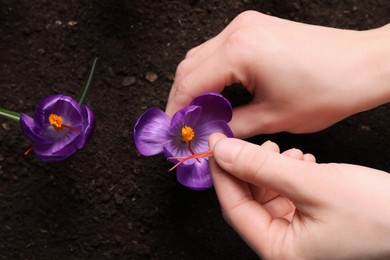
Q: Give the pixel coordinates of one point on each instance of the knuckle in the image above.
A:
(237, 39)
(246, 18)
(241, 45)
(182, 69)
(191, 52)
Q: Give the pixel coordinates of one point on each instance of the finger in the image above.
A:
(199, 53)
(289, 177)
(238, 207)
(255, 118)
(298, 154)
(279, 207)
(208, 68)
(178, 96)
(294, 153)
(309, 157)
(202, 51)
(261, 194)
(271, 146)
(194, 50)
(265, 196)
(210, 76)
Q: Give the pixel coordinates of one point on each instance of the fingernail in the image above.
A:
(214, 138)
(267, 142)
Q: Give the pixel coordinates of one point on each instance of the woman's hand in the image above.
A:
(304, 78)
(286, 206)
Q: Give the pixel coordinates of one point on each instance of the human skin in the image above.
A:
(287, 206)
(303, 78)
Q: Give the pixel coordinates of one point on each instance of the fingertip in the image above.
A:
(294, 153)
(308, 157)
(170, 110)
(176, 101)
(214, 138)
(269, 145)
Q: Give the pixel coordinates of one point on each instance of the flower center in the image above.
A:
(187, 133)
(56, 121)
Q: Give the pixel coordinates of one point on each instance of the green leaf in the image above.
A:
(10, 114)
(87, 84)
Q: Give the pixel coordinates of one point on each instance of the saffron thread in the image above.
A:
(28, 151)
(191, 151)
(71, 128)
(193, 156)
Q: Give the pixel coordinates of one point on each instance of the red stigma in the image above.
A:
(193, 156)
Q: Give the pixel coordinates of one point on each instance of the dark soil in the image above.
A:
(107, 201)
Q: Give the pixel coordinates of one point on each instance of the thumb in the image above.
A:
(289, 177)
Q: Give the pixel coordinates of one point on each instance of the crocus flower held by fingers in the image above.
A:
(59, 128)
(185, 134)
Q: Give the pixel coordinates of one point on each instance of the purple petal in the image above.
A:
(88, 126)
(60, 139)
(202, 133)
(151, 131)
(46, 154)
(68, 109)
(187, 116)
(27, 125)
(214, 106)
(174, 149)
(41, 113)
(195, 176)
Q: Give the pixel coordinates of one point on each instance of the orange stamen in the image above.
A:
(56, 121)
(187, 133)
(193, 156)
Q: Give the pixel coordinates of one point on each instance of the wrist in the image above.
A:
(373, 79)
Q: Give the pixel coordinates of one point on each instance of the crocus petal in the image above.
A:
(57, 144)
(27, 125)
(187, 116)
(68, 109)
(177, 149)
(40, 115)
(46, 154)
(87, 125)
(214, 107)
(195, 176)
(52, 144)
(151, 131)
(200, 141)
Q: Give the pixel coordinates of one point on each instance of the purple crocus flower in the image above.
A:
(59, 128)
(185, 134)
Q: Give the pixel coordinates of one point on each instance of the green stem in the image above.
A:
(87, 84)
(10, 114)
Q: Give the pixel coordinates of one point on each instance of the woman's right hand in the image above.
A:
(287, 206)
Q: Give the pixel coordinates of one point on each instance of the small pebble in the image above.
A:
(127, 81)
(72, 23)
(5, 126)
(151, 77)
